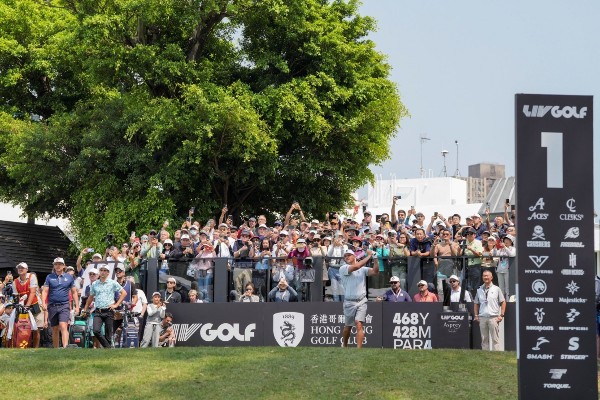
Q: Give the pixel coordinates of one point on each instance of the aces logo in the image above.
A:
(288, 328)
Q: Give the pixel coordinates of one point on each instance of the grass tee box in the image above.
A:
(258, 372)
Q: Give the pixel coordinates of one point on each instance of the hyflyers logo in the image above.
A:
(288, 328)
(555, 111)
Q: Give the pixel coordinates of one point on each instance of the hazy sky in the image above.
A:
(458, 65)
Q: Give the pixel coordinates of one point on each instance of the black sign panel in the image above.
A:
(410, 325)
(555, 249)
(452, 331)
(227, 324)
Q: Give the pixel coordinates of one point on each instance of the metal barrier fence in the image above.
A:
(223, 279)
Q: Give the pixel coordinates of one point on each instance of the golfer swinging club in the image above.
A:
(353, 275)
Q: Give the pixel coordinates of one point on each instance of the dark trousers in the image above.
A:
(106, 317)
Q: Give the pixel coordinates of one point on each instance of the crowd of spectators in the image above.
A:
(283, 253)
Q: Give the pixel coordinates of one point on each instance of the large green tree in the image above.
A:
(118, 114)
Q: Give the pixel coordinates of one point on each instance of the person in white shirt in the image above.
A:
(489, 311)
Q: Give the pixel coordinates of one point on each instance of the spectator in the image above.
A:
(504, 252)
(166, 336)
(96, 258)
(420, 246)
(194, 298)
(283, 293)
(243, 252)
(204, 267)
(473, 250)
(56, 294)
(395, 293)
(153, 248)
(169, 295)
(186, 250)
(335, 253)
(457, 293)
(478, 226)
(249, 295)
(445, 248)
(424, 294)
(133, 261)
(156, 313)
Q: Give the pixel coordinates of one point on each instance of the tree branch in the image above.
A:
(203, 29)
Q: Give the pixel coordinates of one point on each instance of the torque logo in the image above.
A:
(555, 111)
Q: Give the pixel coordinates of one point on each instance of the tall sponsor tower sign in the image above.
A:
(555, 249)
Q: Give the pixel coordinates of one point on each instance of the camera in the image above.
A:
(331, 215)
(308, 262)
(397, 197)
(109, 239)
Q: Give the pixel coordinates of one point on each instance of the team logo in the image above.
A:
(538, 233)
(539, 315)
(539, 287)
(288, 328)
(557, 373)
(538, 238)
(541, 340)
(572, 287)
(538, 260)
(572, 314)
(572, 233)
(538, 206)
(571, 205)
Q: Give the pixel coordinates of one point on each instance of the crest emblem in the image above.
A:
(288, 328)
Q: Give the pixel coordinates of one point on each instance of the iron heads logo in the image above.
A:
(288, 328)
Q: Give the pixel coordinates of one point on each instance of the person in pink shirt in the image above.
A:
(424, 294)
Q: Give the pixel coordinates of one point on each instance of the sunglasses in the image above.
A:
(171, 282)
(393, 283)
(453, 280)
(421, 285)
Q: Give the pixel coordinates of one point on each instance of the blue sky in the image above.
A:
(458, 65)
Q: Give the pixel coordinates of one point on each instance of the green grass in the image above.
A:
(258, 373)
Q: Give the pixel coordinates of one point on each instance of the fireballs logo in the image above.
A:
(288, 328)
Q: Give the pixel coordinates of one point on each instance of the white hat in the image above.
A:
(422, 282)
(510, 237)
(263, 226)
(70, 268)
(168, 241)
(284, 232)
(103, 266)
(93, 271)
(394, 279)
(348, 252)
(475, 216)
(314, 221)
(155, 294)
(58, 260)
(301, 241)
(184, 236)
(22, 264)
(453, 277)
(97, 255)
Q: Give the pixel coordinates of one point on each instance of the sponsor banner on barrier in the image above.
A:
(554, 182)
(316, 324)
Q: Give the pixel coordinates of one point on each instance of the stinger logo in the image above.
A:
(288, 328)
(555, 111)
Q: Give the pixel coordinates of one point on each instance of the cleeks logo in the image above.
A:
(288, 328)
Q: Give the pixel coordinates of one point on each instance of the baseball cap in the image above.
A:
(470, 230)
(120, 267)
(155, 294)
(22, 265)
(349, 252)
(301, 241)
(263, 226)
(394, 279)
(103, 266)
(278, 223)
(70, 268)
(453, 278)
(245, 232)
(152, 232)
(314, 221)
(93, 271)
(168, 241)
(97, 255)
(223, 224)
(422, 282)
(476, 215)
(171, 279)
(510, 237)
(58, 260)
(184, 236)
(367, 213)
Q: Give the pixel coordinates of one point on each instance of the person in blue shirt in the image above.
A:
(56, 291)
(395, 294)
(103, 295)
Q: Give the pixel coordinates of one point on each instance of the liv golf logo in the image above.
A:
(288, 328)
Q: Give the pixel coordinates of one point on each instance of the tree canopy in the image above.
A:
(118, 114)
